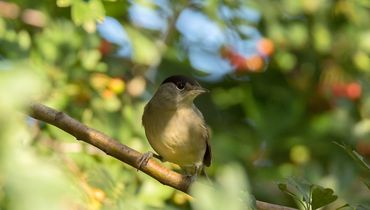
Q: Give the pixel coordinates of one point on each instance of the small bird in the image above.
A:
(175, 128)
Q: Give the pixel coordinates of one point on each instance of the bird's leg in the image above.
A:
(143, 160)
(196, 170)
(203, 171)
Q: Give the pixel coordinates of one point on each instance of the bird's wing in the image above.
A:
(207, 159)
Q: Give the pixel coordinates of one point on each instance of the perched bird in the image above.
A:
(175, 128)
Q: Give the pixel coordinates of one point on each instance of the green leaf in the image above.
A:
(153, 194)
(322, 38)
(286, 60)
(63, 3)
(303, 187)
(90, 59)
(144, 49)
(87, 11)
(24, 39)
(322, 196)
(284, 188)
(229, 191)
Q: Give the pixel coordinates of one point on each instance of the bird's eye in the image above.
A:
(180, 85)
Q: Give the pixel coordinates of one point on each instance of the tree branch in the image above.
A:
(120, 151)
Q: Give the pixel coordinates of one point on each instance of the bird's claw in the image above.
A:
(191, 177)
(143, 160)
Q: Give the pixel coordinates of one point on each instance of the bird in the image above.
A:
(175, 127)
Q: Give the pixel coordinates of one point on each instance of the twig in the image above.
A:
(120, 151)
(269, 206)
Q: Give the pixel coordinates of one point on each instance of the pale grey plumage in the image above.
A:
(174, 126)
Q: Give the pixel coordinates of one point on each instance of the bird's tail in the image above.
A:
(203, 172)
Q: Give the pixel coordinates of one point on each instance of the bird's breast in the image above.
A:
(178, 136)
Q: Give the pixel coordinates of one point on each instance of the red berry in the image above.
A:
(238, 61)
(353, 90)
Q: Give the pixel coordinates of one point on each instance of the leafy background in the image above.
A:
(287, 79)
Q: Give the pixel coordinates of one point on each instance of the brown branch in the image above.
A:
(122, 152)
(269, 206)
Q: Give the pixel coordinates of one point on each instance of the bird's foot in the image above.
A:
(191, 177)
(195, 172)
(143, 160)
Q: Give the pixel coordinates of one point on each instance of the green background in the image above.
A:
(267, 126)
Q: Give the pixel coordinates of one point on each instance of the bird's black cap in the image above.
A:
(180, 81)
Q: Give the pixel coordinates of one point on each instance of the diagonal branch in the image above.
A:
(120, 151)
(108, 145)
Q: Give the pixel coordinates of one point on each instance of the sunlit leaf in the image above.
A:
(153, 194)
(86, 11)
(90, 59)
(322, 38)
(286, 61)
(24, 40)
(145, 50)
(292, 7)
(64, 3)
(25, 175)
(229, 192)
(298, 35)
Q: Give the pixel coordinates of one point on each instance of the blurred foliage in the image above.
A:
(287, 78)
(230, 191)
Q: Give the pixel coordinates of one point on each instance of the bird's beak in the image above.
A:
(200, 90)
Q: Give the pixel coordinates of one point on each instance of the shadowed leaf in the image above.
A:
(322, 196)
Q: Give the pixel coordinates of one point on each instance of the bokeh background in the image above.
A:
(287, 79)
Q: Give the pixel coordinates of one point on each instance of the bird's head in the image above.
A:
(177, 91)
